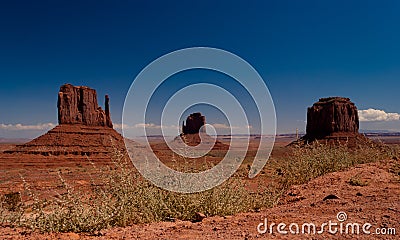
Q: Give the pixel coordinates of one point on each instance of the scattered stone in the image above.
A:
(97, 234)
(330, 196)
(170, 219)
(293, 192)
(199, 217)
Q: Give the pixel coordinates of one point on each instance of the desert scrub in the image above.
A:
(396, 169)
(311, 161)
(357, 181)
(126, 198)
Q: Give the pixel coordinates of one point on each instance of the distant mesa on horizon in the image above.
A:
(194, 124)
(194, 133)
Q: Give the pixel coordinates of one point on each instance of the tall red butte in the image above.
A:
(78, 105)
(84, 129)
(333, 120)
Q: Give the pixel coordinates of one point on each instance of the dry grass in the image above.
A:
(306, 163)
(357, 181)
(126, 198)
(395, 169)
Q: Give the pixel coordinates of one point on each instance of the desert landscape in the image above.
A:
(199, 119)
(76, 181)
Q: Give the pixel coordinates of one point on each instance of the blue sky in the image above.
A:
(303, 50)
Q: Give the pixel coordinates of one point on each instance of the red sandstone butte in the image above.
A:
(84, 128)
(193, 125)
(194, 133)
(333, 120)
(331, 115)
(78, 105)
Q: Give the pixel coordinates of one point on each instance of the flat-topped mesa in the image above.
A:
(333, 120)
(194, 124)
(78, 105)
(332, 115)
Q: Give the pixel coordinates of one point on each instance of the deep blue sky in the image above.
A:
(304, 50)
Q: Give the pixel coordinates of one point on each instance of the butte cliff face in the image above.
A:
(333, 119)
(332, 115)
(84, 128)
(78, 105)
(193, 125)
(194, 133)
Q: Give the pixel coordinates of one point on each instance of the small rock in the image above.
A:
(97, 234)
(199, 217)
(170, 219)
(393, 209)
(293, 193)
(330, 196)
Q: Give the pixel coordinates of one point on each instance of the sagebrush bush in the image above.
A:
(357, 181)
(311, 161)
